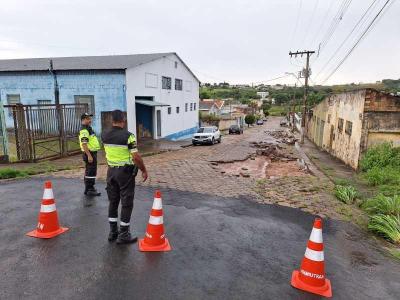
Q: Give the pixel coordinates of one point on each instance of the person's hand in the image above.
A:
(90, 159)
(144, 175)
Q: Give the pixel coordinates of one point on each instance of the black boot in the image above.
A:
(92, 192)
(112, 236)
(125, 237)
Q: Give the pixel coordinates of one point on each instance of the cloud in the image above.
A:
(236, 41)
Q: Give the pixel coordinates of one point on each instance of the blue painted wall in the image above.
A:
(107, 87)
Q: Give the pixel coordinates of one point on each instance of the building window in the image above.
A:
(176, 65)
(191, 106)
(169, 110)
(178, 84)
(13, 100)
(166, 83)
(194, 106)
(349, 127)
(43, 102)
(177, 109)
(340, 125)
(86, 99)
(186, 107)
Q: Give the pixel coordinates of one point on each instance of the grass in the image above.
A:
(346, 193)
(383, 205)
(277, 110)
(387, 226)
(39, 168)
(7, 173)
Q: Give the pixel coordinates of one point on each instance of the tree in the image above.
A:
(249, 119)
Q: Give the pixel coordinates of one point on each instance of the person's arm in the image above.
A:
(84, 137)
(86, 149)
(136, 157)
(140, 164)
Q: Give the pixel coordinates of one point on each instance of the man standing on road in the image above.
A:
(123, 162)
(89, 145)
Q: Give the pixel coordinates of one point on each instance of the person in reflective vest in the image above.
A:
(89, 145)
(123, 161)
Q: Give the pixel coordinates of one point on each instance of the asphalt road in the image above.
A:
(222, 248)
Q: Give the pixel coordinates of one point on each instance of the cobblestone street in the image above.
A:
(201, 169)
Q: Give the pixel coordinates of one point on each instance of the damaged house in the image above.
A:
(347, 124)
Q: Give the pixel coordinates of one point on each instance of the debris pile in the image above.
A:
(283, 136)
(273, 151)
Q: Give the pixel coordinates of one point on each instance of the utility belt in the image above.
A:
(129, 169)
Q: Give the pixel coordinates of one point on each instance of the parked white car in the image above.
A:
(207, 135)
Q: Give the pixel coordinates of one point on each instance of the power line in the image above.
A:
(297, 21)
(311, 21)
(323, 21)
(367, 30)
(347, 37)
(335, 22)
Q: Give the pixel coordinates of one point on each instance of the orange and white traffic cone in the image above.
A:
(154, 239)
(48, 225)
(311, 276)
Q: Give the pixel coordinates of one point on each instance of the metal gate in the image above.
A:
(3, 136)
(46, 131)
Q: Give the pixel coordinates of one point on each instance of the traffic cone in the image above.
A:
(48, 225)
(311, 276)
(154, 239)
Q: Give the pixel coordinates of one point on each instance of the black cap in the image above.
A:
(86, 115)
(117, 116)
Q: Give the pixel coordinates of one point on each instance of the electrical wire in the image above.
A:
(365, 32)
(323, 21)
(310, 23)
(335, 23)
(347, 37)
(297, 21)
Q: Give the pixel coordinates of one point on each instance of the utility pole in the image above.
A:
(305, 74)
(56, 89)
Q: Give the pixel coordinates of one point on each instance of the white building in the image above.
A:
(168, 92)
(158, 91)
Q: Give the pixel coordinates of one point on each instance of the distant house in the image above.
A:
(211, 106)
(158, 91)
(347, 124)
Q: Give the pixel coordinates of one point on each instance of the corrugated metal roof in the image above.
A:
(109, 62)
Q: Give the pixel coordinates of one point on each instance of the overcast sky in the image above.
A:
(238, 41)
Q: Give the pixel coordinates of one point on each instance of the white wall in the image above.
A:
(136, 86)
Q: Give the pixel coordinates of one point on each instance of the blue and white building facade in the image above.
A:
(158, 91)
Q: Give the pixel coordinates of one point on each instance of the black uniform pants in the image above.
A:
(120, 188)
(90, 171)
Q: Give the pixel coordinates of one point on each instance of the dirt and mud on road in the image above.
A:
(282, 177)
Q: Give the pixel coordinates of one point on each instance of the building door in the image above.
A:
(158, 123)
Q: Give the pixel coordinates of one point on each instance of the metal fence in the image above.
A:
(44, 131)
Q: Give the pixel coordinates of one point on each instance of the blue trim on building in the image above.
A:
(108, 87)
(181, 135)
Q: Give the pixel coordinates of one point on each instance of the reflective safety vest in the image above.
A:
(119, 144)
(87, 136)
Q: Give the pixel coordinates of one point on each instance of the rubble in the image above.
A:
(284, 136)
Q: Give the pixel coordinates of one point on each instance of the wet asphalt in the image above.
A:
(222, 248)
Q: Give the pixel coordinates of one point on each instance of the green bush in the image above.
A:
(11, 173)
(383, 175)
(381, 156)
(383, 205)
(346, 194)
(387, 226)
